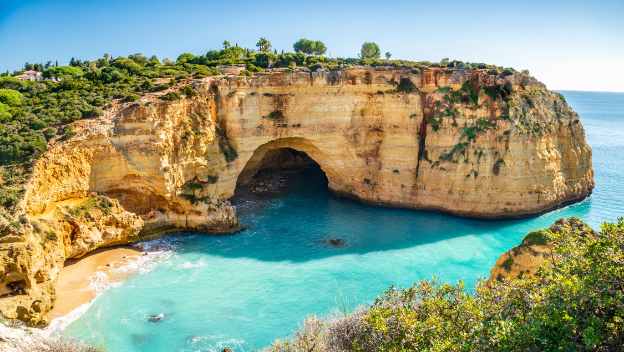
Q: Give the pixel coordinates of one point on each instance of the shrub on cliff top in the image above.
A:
(575, 302)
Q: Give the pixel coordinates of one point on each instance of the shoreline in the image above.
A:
(81, 280)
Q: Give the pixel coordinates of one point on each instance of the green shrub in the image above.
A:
(406, 86)
(189, 91)
(5, 114)
(63, 72)
(275, 115)
(536, 238)
(170, 96)
(11, 97)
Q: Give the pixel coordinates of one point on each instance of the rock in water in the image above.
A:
(336, 242)
(155, 318)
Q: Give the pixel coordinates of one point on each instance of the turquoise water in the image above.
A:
(244, 291)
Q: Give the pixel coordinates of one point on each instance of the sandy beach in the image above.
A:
(74, 287)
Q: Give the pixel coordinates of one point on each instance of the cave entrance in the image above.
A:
(279, 171)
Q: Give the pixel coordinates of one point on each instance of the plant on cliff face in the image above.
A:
(171, 96)
(275, 115)
(574, 302)
(229, 152)
(406, 86)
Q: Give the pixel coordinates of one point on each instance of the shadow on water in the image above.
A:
(300, 225)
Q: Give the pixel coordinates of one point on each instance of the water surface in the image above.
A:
(246, 290)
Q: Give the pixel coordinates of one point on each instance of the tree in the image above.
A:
(310, 47)
(138, 58)
(226, 44)
(388, 55)
(319, 47)
(154, 60)
(263, 44)
(184, 58)
(370, 50)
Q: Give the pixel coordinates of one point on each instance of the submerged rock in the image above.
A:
(336, 242)
(155, 318)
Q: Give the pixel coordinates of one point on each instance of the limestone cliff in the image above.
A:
(461, 141)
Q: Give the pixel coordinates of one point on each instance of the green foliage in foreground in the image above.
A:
(575, 302)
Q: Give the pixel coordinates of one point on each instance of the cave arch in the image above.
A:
(268, 150)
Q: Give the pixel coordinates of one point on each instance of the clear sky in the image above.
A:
(566, 44)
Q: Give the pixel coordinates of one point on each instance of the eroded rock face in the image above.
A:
(462, 142)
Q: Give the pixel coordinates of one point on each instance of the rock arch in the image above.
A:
(307, 146)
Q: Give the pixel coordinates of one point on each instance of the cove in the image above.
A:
(245, 290)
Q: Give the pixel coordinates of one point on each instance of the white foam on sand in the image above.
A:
(15, 338)
(154, 252)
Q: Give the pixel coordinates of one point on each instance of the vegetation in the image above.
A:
(574, 302)
(406, 86)
(370, 50)
(101, 203)
(310, 47)
(263, 45)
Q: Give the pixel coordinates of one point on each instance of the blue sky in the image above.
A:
(566, 44)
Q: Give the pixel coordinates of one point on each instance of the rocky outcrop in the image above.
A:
(526, 258)
(465, 142)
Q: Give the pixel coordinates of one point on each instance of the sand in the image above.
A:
(74, 288)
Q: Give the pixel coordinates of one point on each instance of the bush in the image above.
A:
(62, 72)
(170, 96)
(5, 114)
(11, 97)
(406, 86)
(574, 302)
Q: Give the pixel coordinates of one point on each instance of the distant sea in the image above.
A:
(246, 290)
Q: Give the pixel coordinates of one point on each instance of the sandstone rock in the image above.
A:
(525, 259)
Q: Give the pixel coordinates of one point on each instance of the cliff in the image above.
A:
(465, 142)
